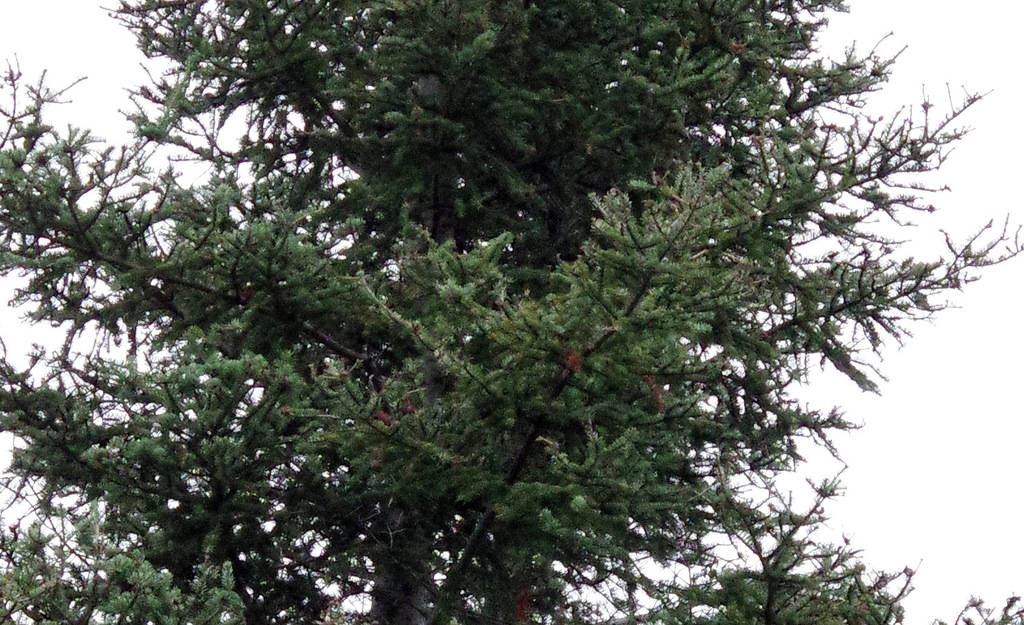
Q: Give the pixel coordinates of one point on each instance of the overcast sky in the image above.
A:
(934, 476)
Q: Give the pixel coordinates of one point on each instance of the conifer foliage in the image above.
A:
(482, 312)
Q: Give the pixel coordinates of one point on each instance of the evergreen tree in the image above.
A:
(483, 312)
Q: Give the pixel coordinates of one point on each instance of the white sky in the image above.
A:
(934, 477)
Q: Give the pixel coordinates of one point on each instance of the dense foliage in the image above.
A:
(483, 312)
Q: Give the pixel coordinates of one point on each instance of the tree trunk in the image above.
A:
(401, 591)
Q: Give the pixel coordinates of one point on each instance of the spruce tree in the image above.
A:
(482, 312)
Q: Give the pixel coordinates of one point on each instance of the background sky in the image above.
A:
(934, 477)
